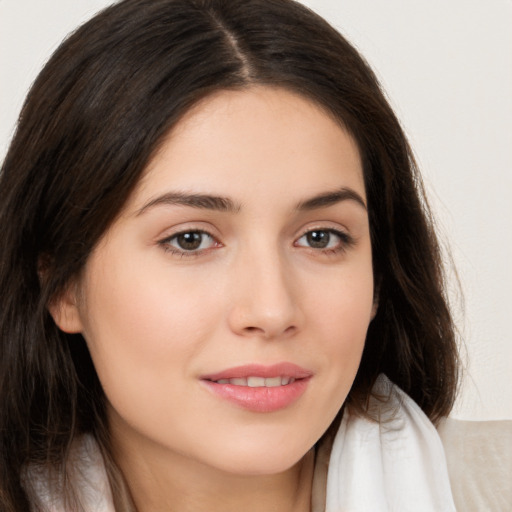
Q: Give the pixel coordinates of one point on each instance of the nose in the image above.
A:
(265, 297)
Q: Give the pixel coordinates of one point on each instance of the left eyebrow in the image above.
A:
(326, 199)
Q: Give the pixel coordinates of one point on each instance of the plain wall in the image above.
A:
(447, 69)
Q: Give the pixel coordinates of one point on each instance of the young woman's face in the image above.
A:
(241, 262)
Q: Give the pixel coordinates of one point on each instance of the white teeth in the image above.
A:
(273, 382)
(255, 382)
(258, 382)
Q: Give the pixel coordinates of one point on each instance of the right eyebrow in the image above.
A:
(201, 201)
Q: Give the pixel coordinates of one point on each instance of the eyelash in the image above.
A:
(345, 242)
(166, 243)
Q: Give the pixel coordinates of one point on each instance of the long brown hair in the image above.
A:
(91, 122)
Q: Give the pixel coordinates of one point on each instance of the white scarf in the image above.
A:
(396, 464)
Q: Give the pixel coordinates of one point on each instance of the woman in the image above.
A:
(216, 253)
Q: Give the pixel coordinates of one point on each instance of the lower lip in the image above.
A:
(260, 399)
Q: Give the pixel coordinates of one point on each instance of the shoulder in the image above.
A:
(479, 457)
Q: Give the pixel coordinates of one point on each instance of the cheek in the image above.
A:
(142, 306)
(342, 307)
(339, 318)
(140, 326)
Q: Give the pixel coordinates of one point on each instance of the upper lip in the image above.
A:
(259, 370)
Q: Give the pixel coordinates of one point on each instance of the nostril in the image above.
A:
(268, 333)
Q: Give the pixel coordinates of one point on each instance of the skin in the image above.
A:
(156, 317)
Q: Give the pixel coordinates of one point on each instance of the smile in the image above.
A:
(258, 382)
(259, 388)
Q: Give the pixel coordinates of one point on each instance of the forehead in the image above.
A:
(255, 142)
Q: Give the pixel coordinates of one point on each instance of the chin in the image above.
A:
(255, 459)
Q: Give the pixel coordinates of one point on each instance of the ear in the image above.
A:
(64, 311)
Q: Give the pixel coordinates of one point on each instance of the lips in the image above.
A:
(260, 388)
(258, 382)
(289, 370)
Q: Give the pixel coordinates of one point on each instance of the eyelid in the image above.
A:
(325, 226)
(165, 242)
(346, 239)
(196, 226)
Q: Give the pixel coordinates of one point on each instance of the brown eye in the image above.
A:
(321, 239)
(189, 242)
(318, 239)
